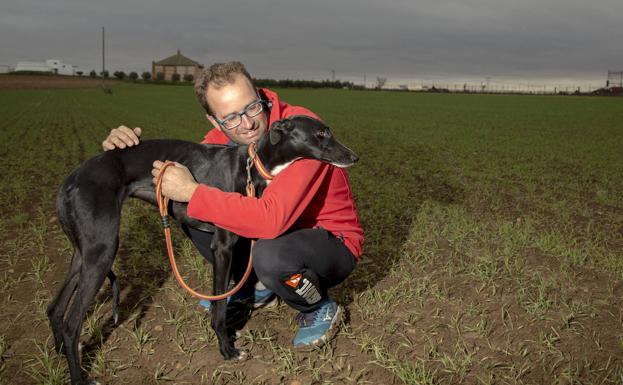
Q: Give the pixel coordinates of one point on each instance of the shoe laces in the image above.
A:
(307, 319)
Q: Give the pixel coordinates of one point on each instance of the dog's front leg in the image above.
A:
(222, 245)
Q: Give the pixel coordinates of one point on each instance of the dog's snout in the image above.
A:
(354, 157)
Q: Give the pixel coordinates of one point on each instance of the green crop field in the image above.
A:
(493, 254)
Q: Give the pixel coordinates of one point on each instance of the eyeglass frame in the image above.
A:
(259, 101)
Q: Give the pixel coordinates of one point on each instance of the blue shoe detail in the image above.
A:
(261, 298)
(317, 327)
(207, 304)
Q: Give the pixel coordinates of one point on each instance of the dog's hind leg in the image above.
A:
(95, 266)
(95, 220)
(115, 295)
(57, 308)
(223, 252)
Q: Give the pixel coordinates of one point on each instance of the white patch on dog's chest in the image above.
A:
(276, 170)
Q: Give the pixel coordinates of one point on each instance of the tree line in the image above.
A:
(145, 76)
(269, 83)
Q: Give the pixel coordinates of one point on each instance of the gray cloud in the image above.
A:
(280, 38)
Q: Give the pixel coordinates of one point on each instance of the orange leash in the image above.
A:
(163, 203)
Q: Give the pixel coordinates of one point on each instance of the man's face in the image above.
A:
(234, 98)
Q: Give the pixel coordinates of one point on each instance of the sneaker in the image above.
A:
(317, 327)
(261, 298)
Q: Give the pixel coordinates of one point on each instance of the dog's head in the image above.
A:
(304, 137)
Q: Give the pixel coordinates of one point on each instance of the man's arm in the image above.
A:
(280, 205)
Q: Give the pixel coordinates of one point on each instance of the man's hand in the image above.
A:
(122, 137)
(178, 183)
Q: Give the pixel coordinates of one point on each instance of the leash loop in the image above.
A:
(163, 203)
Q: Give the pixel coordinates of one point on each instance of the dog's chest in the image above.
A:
(276, 170)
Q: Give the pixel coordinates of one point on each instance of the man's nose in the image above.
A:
(245, 122)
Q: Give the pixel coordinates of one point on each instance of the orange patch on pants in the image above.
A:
(293, 281)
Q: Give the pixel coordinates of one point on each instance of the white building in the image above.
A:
(51, 65)
(4, 69)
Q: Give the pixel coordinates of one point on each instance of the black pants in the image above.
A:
(299, 266)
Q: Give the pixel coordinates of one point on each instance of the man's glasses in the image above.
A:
(233, 120)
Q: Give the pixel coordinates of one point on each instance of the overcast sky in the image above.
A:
(403, 40)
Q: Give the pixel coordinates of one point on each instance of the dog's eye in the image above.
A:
(323, 134)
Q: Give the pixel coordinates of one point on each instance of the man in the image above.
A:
(308, 230)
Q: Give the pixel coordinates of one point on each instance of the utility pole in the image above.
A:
(333, 75)
(103, 57)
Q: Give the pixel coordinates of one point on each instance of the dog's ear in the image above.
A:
(274, 135)
(288, 125)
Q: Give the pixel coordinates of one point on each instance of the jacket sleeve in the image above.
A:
(269, 216)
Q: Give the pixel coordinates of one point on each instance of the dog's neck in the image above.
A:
(273, 160)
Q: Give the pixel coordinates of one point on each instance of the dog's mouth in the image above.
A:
(341, 157)
(341, 163)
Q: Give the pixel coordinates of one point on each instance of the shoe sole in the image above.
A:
(328, 335)
(272, 303)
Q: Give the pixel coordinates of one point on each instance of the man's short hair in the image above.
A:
(217, 76)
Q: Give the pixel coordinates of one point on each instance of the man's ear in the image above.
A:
(213, 122)
(274, 135)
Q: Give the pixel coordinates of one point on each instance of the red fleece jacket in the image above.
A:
(306, 194)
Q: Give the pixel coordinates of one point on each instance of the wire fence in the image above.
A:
(615, 79)
(490, 88)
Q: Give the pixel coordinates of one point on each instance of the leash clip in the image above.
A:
(165, 221)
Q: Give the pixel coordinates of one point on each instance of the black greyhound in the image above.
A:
(89, 209)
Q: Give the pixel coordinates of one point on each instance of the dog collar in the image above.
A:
(257, 162)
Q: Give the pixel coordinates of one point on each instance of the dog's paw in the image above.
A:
(88, 381)
(242, 356)
(229, 352)
(233, 354)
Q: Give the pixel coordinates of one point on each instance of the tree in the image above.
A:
(159, 76)
(146, 76)
(119, 75)
(175, 77)
(104, 74)
(189, 78)
(93, 74)
(79, 73)
(380, 82)
(133, 75)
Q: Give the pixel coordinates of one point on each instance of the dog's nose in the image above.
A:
(354, 157)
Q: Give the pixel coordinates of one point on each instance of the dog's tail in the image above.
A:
(115, 295)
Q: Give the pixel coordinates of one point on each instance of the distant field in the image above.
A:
(493, 255)
(20, 82)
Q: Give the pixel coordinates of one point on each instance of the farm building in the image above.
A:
(176, 64)
(51, 65)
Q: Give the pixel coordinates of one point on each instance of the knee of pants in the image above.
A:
(267, 259)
